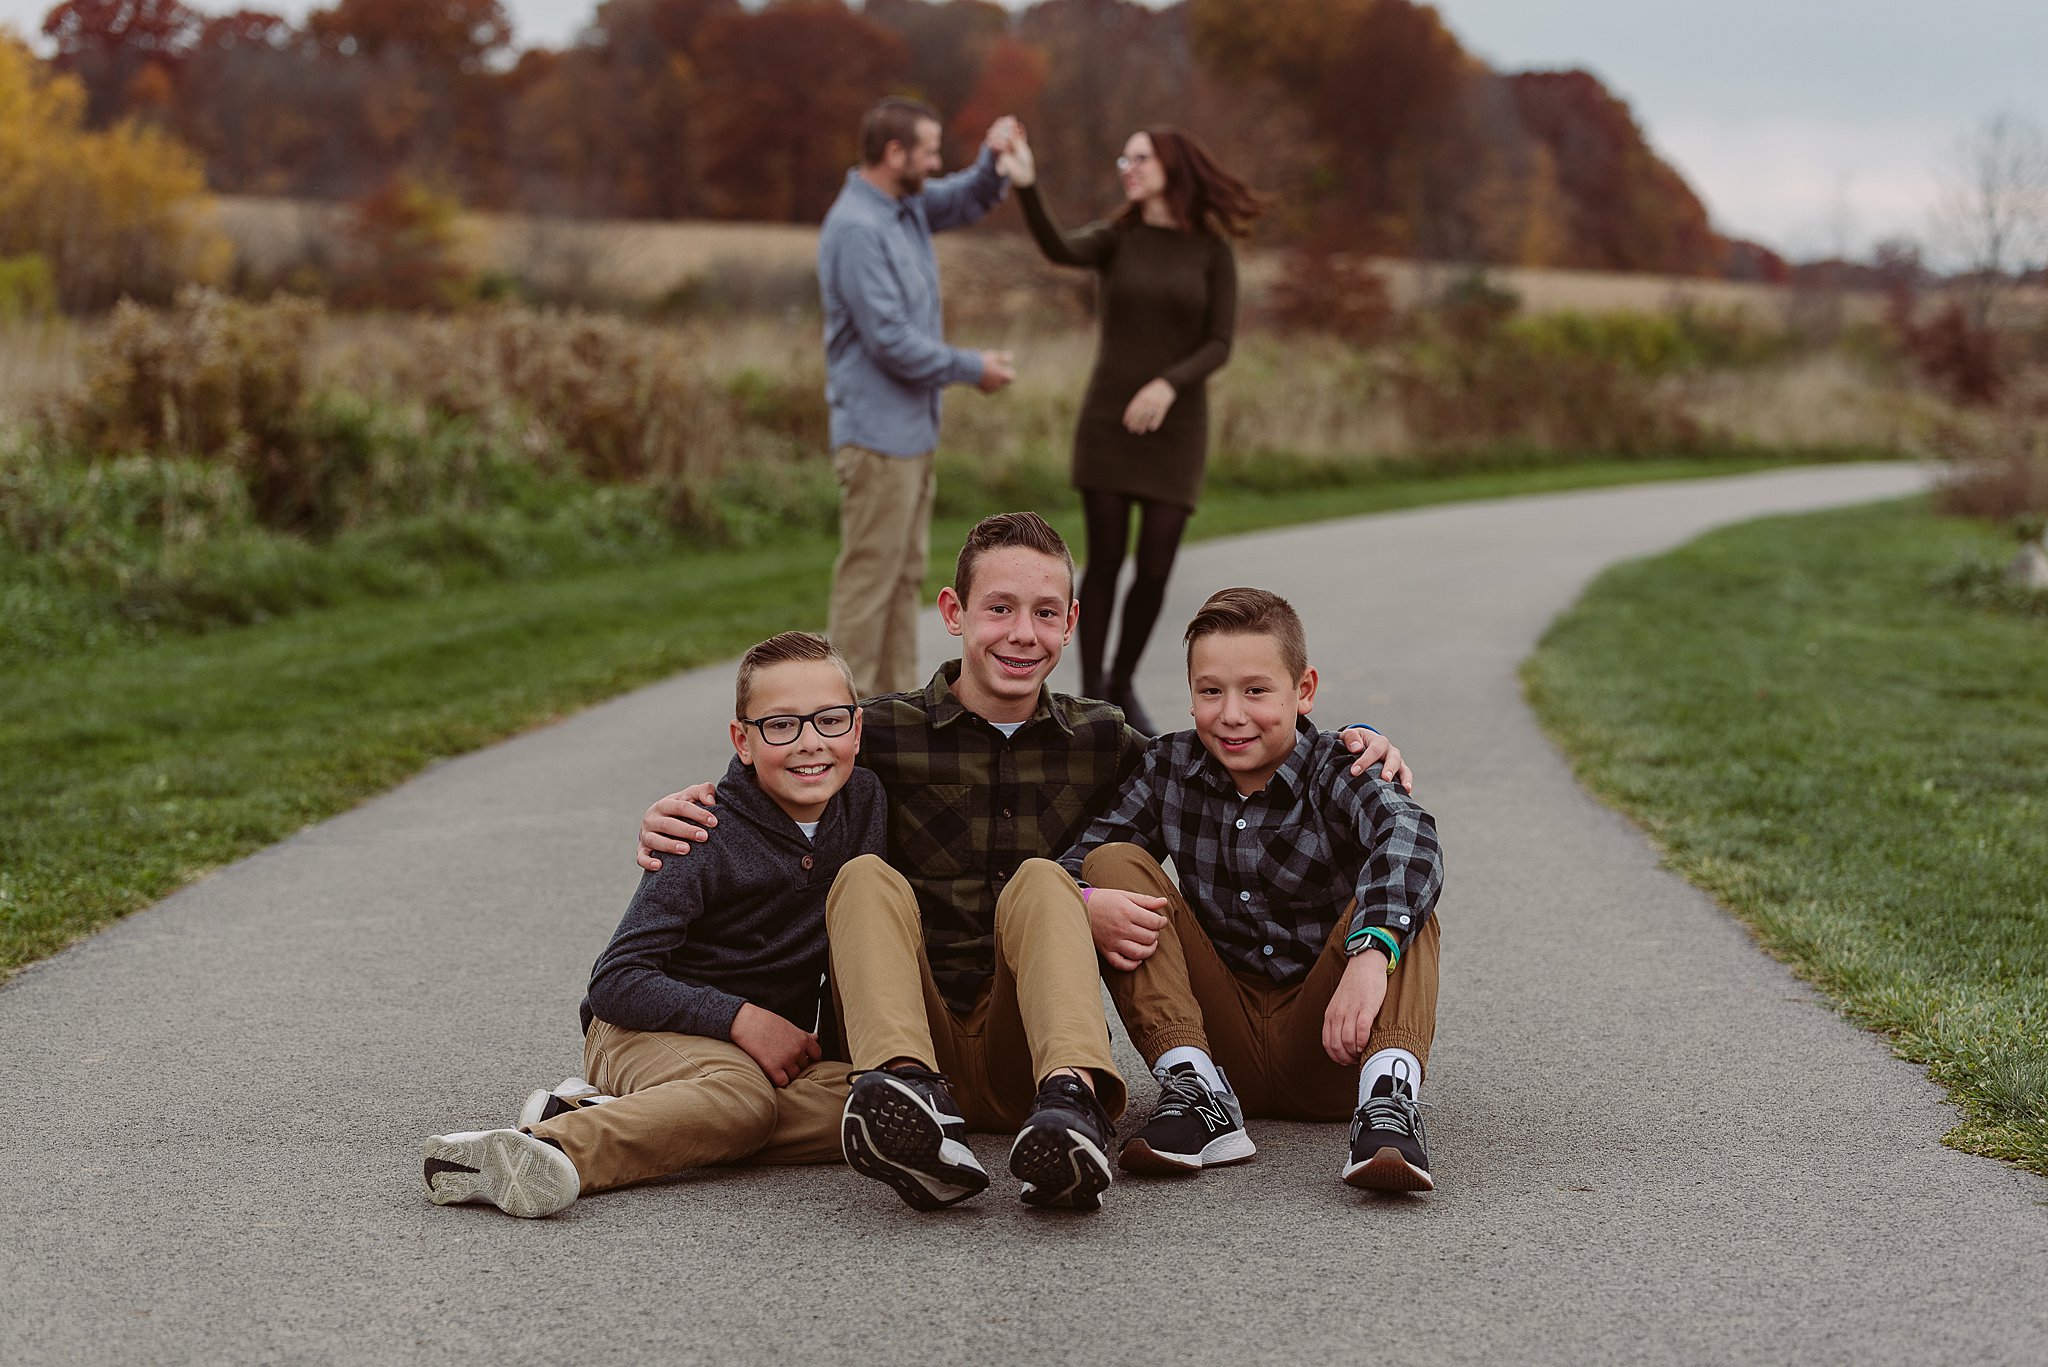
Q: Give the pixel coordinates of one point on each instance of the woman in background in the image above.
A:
(1168, 300)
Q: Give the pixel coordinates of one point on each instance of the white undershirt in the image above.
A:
(1008, 728)
(809, 828)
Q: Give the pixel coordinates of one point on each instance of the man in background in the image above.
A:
(886, 361)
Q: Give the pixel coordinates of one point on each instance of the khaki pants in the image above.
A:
(885, 523)
(1040, 1012)
(1268, 1039)
(687, 1101)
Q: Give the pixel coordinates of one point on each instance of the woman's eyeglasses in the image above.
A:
(783, 728)
(1133, 163)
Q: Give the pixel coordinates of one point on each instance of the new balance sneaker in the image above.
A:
(902, 1126)
(570, 1094)
(515, 1172)
(1061, 1154)
(1388, 1149)
(1195, 1127)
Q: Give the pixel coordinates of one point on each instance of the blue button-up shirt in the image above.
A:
(886, 359)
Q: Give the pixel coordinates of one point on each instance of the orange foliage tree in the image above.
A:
(110, 45)
(783, 90)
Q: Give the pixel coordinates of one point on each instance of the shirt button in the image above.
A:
(1268, 951)
(1240, 823)
(1246, 897)
(1404, 920)
(807, 861)
(1006, 813)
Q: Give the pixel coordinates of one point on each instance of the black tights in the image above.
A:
(1109, 530)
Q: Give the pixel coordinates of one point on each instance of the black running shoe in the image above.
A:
(902, 1126)
(1061, 1155)
(1388, 1149)
(1195, 1127)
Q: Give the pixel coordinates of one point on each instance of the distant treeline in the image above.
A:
(1371, 124)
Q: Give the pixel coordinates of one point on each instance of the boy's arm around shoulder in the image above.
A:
(630, 985)
(1133, 815)
(1403, 872)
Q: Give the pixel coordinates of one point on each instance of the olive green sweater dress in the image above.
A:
(1169, 304)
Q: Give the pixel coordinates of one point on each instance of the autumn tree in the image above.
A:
(1011, 77)
(113, 212)
(119, 48)
(1628, 209)
(612, 125)
(949, 42)
(783, 92)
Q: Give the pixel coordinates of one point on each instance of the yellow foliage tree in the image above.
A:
(120, 212)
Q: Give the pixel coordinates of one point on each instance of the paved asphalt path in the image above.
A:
(1653, 1144)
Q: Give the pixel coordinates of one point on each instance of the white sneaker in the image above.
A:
(570, 1094)
(515, 1172)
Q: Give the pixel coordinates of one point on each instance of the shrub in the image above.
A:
(211, 378)
(402, 250)
(1998, 458)
(112, 213)
(1332, 292)
(27, 289)
(1458, 393)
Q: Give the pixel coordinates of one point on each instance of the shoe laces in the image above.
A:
(1180, 1093)
(1395, 1114)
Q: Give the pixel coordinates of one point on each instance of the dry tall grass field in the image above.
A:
(646, 261)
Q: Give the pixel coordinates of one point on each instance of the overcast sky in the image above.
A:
(1806, 124)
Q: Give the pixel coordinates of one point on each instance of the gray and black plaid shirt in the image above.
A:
(968, 804)
(1269, 874)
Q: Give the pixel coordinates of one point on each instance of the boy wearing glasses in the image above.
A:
(699, 1025)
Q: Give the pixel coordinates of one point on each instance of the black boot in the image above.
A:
(1120, 692)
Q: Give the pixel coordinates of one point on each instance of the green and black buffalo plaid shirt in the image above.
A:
(968, 804)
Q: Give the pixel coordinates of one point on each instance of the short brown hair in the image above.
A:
(1028, 530)
(893, 120)
(790, 647)
(1252, 612)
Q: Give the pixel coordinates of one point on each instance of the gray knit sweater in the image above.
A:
(739, 919)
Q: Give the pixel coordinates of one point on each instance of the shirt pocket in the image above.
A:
(931, 827)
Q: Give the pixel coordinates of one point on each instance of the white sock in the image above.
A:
(1398, 1064)
(1204, 1065)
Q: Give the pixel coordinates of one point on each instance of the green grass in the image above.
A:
(1852, 759)
(136, 768)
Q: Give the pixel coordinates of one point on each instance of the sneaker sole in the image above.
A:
(1059, 1168)
(501, 1169)
(892, 1138)
(1220, 1152)
(1387, 1170)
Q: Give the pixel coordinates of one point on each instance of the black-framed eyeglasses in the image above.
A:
(783, 728)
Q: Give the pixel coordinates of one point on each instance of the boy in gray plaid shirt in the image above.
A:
(1293, 971)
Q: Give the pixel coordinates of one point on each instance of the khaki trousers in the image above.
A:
(1268, 1039)
(885, 523)
(1040, 1012)
(687, 1101)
